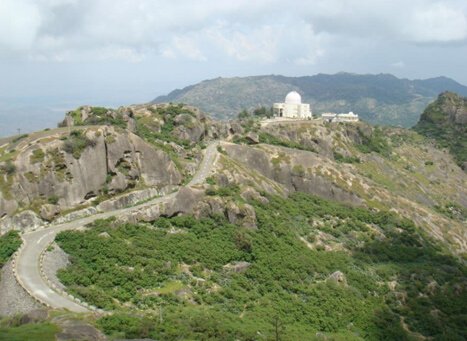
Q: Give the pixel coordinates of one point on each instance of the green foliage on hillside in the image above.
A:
(99, 116)
(445, 121)
(379, 99)
(375, 142)
(274, 140)
(35, 331)
(177, 266)
(9, 243)
(76, 143)
(167, 114)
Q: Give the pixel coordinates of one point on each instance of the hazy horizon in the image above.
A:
(58, 54)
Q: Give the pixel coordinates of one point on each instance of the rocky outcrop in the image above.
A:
(49, 212)
(237, 266)
(338, 277)
(243, 215)
(184, 202)
(133, 198)
(295, 169)
(24, 221)
(64, 171)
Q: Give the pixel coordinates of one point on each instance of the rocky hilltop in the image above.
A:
(95, 155)
(378, 99)
(445, 120)
(298, 229)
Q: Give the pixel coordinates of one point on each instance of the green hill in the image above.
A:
(379, 99)
(445, 121)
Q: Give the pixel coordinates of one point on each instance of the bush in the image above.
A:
(76, 143)
(376, 142)
(9, 243)
(9, 168)
(53, 200)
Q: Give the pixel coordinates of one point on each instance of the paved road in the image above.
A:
(27, 262)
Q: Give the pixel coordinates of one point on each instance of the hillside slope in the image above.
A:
(300, 230)
(378, 99)
(445, 120)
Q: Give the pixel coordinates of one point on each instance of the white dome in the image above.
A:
(293, 97)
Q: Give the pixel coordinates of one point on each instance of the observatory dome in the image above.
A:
(293, 97)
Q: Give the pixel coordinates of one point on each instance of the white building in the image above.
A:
(293, 107)
(332, 117)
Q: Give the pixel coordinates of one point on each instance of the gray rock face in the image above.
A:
(113, 160)
(132, 198)
(237, 266)
(252, 137)
(184, 202)
(34, 316)
(77, 330)
(24, 222)
(188, 128)
(289, 167)
(76, 214)
(48, 211)
(338, 277)
(243, 215)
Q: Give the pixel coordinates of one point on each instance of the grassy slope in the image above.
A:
(36, 332)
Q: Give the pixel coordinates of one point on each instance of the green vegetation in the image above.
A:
(19, 137)
(263, 112)
(274, 140)
(98, 116)
(168, 114)
(177, 267)
(53, 200)
(453, 211)
(376, 142)
(37, 156)
(35, 331)
(76, 143)
(439, 122)
(346, 159)
(378, 99)
(8, 167)
(9, 243)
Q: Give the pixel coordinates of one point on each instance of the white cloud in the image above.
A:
(19, 22)
(437, 23)
(400, 64)
(265, 31)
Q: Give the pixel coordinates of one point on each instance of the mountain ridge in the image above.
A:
(379, 99)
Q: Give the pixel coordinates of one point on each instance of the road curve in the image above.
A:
(27, 265)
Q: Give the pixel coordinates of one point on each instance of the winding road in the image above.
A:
(27, 264)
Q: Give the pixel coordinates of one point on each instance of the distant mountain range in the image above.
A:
(379, 99)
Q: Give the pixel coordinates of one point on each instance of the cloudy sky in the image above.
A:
(57, 54)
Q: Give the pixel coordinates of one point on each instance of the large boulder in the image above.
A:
(49, 211)
(184, 202)
(25, 221)
(34, 316)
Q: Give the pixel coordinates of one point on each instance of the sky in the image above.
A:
(58, 54)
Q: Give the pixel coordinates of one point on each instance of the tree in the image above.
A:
(244, 114)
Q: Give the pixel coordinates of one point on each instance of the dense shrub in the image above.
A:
(9, 243)
(286, 283)
(76, 143)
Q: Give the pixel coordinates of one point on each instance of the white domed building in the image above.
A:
(292, 107)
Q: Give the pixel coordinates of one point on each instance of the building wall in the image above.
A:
(292, 110)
